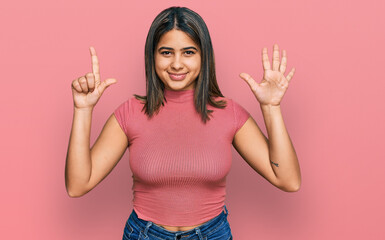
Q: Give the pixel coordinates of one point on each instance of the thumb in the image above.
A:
(249, 80)
(106, 83)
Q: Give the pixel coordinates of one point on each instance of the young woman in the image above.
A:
(180, 134)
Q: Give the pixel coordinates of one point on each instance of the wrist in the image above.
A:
(269, 106)
(85, 109)
(269, 110)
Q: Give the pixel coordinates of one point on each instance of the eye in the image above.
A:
(165, 53)
(190, 52)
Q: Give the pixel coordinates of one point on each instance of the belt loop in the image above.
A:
(198, 232)
(227, 211)
(149, 223)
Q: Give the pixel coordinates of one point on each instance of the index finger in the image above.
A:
(95, 65)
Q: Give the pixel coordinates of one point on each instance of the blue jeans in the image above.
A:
(218, 228)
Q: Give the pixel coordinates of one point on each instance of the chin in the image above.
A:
(179, 86)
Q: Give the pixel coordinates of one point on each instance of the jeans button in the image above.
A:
(178, 237)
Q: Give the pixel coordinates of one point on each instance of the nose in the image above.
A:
(176, 64)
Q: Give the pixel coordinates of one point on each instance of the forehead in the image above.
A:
(176, 39)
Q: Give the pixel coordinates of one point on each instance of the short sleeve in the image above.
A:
(240, 116)
(121, 114)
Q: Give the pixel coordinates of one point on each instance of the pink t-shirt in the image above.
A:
(179, 164)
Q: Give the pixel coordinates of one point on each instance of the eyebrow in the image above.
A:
(168, 48)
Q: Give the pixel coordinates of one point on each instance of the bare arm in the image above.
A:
(274, 158)
(85, 167)
(263, 154)
(78, 161)
(283, 157)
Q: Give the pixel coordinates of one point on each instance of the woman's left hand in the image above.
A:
(274, 84)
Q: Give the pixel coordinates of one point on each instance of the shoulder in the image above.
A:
(240, 113)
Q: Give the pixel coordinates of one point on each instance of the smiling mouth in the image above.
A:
(177, 77)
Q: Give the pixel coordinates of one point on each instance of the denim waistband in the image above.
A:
(204, 229)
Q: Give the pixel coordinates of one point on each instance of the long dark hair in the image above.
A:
(188, 21)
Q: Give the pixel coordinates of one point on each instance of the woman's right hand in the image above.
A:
(87, 89)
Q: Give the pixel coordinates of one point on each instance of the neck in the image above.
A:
(179, 95)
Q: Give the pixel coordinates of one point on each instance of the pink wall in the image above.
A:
(334, 112)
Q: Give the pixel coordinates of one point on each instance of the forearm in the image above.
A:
(78, 162)
(283, 158)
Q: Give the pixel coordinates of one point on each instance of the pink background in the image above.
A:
(333, 109)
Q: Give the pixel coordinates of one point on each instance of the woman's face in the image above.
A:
(177, 60)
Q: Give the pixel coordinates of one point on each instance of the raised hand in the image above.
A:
(87, 89)
(274, 84)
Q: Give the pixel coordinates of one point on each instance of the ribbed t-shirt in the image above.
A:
(179, 164)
